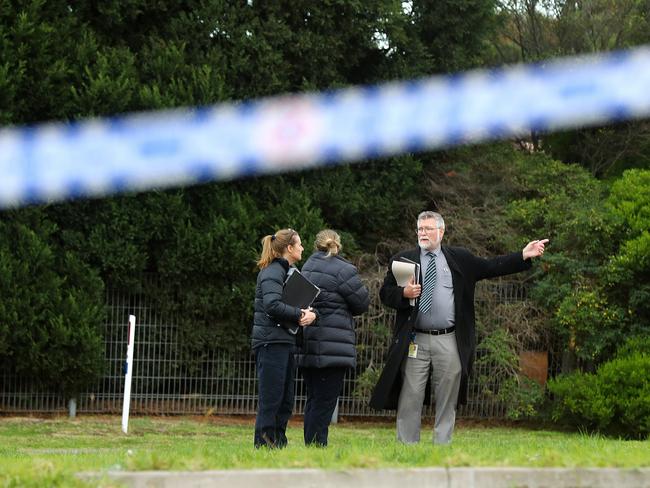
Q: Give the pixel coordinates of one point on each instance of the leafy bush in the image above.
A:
(366, 381)
(634, 344)
(579, 402)
(521, 396)
(627, 274)
(592, 325)
(615, 400)
(596, 275)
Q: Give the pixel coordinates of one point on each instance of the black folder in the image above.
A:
(298, 292)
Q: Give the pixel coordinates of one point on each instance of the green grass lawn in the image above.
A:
(47, 452)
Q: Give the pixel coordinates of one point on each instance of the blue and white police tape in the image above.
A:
(98, 157)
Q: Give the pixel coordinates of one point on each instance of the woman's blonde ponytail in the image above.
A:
(273, 246)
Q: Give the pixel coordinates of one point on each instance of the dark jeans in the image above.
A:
(324, 386)
(275, 378)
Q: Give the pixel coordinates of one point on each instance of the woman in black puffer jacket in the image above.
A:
(328, 349)
(273, 345)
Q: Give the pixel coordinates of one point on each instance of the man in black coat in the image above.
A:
(434, 328)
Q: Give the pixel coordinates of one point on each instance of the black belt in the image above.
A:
(437, 331)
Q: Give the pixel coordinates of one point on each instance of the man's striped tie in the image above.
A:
(429, 284)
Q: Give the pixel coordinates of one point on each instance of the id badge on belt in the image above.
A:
(413, 347)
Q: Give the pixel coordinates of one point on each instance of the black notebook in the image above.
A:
(299, 292)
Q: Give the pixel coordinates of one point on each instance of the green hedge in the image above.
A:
(615, 400)
(51, 308)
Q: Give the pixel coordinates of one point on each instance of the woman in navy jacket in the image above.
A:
(274, 345)
(328, 349)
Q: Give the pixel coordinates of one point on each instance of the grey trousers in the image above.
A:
(441, 354)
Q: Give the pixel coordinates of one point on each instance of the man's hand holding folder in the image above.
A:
(407, 275)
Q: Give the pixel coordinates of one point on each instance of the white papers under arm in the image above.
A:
(404, 273)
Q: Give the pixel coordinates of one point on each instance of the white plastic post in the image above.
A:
(128, 370)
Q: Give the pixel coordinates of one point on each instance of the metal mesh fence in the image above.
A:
(225, 383)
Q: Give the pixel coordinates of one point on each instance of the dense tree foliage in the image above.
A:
(68, 60)
(535, 30)
(51, 308)
(595, 281)
(65, 60)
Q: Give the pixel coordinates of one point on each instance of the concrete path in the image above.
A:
(385, 478)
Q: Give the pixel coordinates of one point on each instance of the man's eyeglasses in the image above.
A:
(426, 229)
